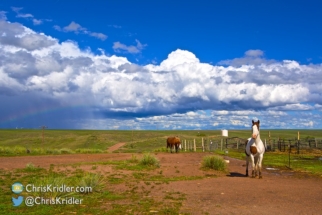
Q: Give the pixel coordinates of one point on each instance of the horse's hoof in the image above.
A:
(253, 174)
(260, 177)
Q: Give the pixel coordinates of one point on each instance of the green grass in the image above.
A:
(106, 197)
(55, 181)
(214, 162)
(30, 167)
(300, 162)
(102, 198)
(149, 160)
(94, 181)
(17, 150)
(145, 162)
(16, 142)
(20, 142)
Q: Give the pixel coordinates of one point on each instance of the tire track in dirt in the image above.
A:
(115, 147)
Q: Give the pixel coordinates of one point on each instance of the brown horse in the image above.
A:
(173, 142)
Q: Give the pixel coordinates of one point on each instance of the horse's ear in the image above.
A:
(253, 122)
(258, 122)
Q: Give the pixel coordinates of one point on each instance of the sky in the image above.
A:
(152, 65)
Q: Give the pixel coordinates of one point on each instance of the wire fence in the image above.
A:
(292, 152)
(282, 145)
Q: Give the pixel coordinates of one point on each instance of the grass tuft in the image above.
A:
(162, 149)
(52, 181)
(30, 167)
(93, 181)
(214, 162)
(149, 160)
(134, 159)
(66, 151)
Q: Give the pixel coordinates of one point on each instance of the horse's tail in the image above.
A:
(246, 142)
(246, 153)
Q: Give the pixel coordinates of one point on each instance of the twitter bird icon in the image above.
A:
(17, 201)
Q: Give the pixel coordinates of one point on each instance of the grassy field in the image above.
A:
(140, 182)
(17, 142)
(102, 199)
(137, 141)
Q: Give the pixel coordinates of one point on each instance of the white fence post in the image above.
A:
(202, 144)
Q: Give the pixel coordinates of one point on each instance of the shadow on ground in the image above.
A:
(236, 174)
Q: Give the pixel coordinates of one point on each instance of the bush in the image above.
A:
(214, 162)
(54, 181)
(13, 150)
(93, 181)
(56, 152)
(38, 151)
(149, 160)
(19, 150)
(66, 151)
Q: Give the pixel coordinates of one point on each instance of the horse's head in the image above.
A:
(255, 129)
(177, 139)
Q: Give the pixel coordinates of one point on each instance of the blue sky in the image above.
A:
(160, 64)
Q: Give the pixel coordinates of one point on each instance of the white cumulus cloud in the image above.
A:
(180, 92)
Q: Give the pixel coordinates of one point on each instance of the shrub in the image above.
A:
(49, 151)
(38, 151)
(214, 162)
(19, 150)
(54, 181)
(56, 152)
(13, 150)
(149, 160)
(66, 151)
(93, 181)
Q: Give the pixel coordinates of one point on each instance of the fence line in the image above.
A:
(282, 145)
(295, 150)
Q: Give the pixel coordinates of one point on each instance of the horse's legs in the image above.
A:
(256, 159)
(253, 165)
(247, 161)
(260, 159)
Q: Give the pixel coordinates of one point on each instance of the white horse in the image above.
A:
(255, 151)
